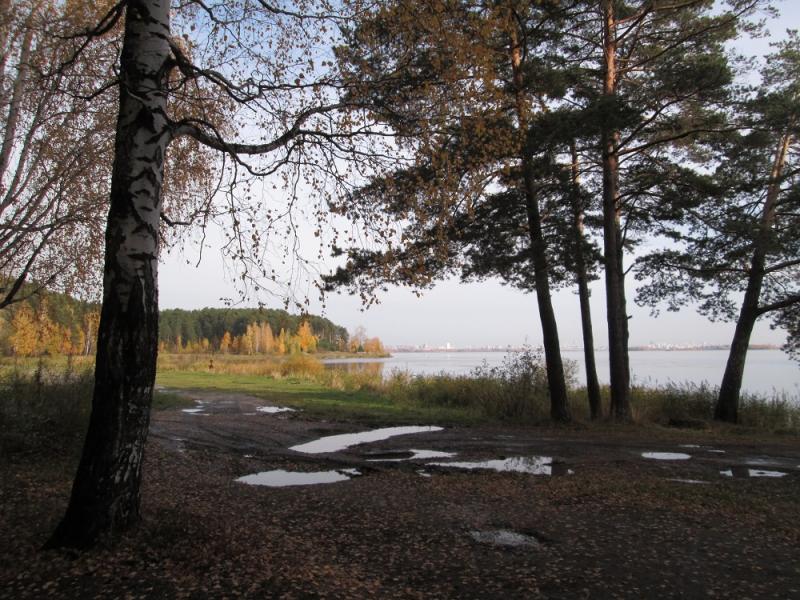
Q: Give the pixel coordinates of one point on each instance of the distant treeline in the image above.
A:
(53, 324)
(249, 331)
(49, 323)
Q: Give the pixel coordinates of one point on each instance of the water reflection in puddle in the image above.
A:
(409, 455)
(281, 478)
(690, 481)
(504, 537)
(744, 472)
(532, 465)
(764, 461)
(273, 410)
(193, 411)
(336, 443)
(666, 455)
(699, 447)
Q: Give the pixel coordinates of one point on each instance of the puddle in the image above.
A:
(691, 481)
(761, 473)
(408, 455)
(193, 411)
(764, 461)
(505, 537)
(281, 478)
(336, 443)
(532, 465)
(744, 472)
(423, 474)
(273, 410)
(666, 455)
(699, 447)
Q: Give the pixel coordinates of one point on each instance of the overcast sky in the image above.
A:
(476, 314)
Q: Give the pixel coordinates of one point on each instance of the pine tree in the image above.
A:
(737, 227)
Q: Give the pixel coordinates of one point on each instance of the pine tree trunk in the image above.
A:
(727, 407)
(592, 382)
(559, 405)
(105, 493)
(612, 238)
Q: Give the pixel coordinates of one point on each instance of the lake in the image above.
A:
(766, 371)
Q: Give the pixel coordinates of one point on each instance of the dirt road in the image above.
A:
(557, 513)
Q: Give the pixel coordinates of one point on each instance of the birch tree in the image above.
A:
(53, 157)
(57, 148)
(276, 90)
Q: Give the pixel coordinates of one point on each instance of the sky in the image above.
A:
(477, 314)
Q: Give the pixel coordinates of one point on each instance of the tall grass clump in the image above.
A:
(292, 365)
(367, 379)
(673, 403)
(303, 366)
(778, 412)
(514, 391)
(46, 404)
(687, 403)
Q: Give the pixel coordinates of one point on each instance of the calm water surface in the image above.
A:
(766, 371)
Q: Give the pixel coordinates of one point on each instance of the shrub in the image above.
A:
(45, 404)
(516, 390)
(686, 402)
(302, 365)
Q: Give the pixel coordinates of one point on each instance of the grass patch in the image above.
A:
(48, 400)
(688, 402)
(168, 400)
(44, 404)
(514, 392)
(316, 398)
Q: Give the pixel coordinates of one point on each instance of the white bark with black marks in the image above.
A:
(105, 495)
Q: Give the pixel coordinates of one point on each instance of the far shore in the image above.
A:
(655, 348)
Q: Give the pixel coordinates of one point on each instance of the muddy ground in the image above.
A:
(605, 522)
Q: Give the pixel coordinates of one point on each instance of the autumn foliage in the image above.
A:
(52, 325)
(56, 324)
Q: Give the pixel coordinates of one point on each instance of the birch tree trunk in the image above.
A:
(612, 236)
(14, 105)
(105, 495)
(727, 407)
